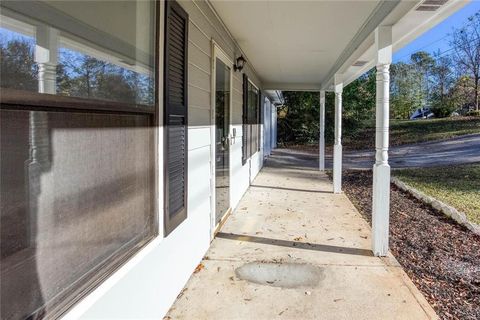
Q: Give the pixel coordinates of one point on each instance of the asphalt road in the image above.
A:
(464, 149)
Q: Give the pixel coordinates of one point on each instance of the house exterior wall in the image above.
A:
(147, 285)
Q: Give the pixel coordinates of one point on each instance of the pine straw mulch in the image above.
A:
(441, 257)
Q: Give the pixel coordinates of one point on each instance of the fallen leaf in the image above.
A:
(199, 268)
(181, 293)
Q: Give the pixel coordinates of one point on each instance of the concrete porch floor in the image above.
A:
(289, 215)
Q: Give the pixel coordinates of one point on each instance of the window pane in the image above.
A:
(69, 210)
(71, 48)
(76, 188)
(253, 118)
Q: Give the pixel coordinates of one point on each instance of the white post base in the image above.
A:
(380, 209)
(321, 139)
(321, 162)
(337, 168)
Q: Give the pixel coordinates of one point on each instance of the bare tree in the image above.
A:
(466, 46)
(17, 65)
(442, 76)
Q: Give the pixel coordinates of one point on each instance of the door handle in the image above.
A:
(226, 141)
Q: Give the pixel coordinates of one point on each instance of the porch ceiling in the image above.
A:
(300, 45)
(295, 42)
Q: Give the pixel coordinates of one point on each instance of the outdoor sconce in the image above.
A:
(238, 66)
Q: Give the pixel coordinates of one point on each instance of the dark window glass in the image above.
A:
(245, 127)
(253, 120)
(76, 175)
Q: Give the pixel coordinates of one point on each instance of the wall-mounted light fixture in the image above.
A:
(240, 63)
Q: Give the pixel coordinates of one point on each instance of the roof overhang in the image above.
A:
(407, 23)
(301, 45)
(275, 96)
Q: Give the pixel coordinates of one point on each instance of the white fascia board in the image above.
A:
(361, 39)
(403, 33)
(8, 22)
(275, 96)
(292, 86)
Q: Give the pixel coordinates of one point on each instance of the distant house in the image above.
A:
(421, 113)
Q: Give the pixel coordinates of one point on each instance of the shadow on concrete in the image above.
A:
(293, 159)
(296, 244)
(289, 189)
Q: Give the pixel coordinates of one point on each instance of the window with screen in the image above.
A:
(251, 119)
(77, 114)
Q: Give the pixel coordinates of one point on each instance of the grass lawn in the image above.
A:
(458, 186)
(413, 131)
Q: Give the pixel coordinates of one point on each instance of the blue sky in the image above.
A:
(437, 38)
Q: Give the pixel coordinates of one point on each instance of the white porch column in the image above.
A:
(321, 139)
(337, 148)
(46, 58)
(381, 168)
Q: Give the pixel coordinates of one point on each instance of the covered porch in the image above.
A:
(303, 46)
(191, 131)
(294, 249)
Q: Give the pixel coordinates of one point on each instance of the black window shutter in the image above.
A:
(245, 136)
(176, 115)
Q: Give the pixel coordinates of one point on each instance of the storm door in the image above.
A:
(222, 139)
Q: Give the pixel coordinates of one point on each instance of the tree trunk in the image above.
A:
(476, 92)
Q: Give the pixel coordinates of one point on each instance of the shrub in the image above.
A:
(473, 113)
(443, 108)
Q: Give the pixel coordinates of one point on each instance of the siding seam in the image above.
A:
(199, 48)
(200, 107)
(235, 43)
(201, 147)
(199, 88)
(215, 28)
(200, 29)
(199, 127)
(199, 68)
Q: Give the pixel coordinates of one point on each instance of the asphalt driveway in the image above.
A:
(464, 149)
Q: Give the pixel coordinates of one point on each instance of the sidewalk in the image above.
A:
(294, 250)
